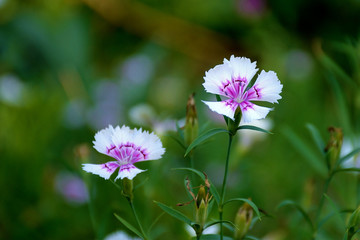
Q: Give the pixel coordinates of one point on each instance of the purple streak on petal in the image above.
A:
(126, 167)
(110, 166)
(245, 105)
(232, 103)
(254, 93)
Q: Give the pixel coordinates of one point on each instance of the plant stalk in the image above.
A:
(224, 186)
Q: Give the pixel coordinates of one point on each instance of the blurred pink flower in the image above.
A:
(127, 146)
(231, 80)
(71, 187)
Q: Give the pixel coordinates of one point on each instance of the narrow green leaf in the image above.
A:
(204, 137)
(154, 222)
(175, 213)
(336, 209)
(342, 105)
(141, 184)
(217, 222)
(249, 127)
(213, 190)
(218, 98)
(212, 237)
(317, 137)
(348, 156)
(128, 225)
(346, 234)
(251, 203)
(333, 66)
(177, 140)
(312, 159)
(299, 208)
(330, 215)
(346, 170)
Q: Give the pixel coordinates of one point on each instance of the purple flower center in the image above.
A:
(127, 153)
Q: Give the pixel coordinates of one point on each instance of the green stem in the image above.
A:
(137, 220)
(326, 187)
(224, 186)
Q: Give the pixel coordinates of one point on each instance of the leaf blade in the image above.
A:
(175, 213)
(254, 128)
(305, 151)
(299, 208)
(251, 203)
(316, 137)
(128, 225)
(204, 137)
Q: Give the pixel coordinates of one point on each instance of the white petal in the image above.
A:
(103, 139)
(251, 112)
(128, 171)
(222, 108)
(215, 77)
(268, 86)
(150, 142)
(242, 67)
(103, 170)
(147, 141)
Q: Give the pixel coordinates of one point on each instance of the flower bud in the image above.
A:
(234, 124)
(243, 220)
(201, 206)
(354, 223)
(333, 147)
(127, 189)
(191, 123)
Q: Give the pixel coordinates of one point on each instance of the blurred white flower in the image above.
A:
(71, 188)
(11, 89)
(346, 148)
(120, 235)
(144, 115)
(299, 64)
(214, 229)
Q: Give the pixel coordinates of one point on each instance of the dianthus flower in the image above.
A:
(128, 147)
(231, 80)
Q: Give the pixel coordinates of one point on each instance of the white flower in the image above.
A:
(231, 80)
(127, 146)
(119, 235)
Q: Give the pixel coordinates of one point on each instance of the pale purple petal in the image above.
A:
(103, 170)
(252, 112)
(227, 107)
(266, 88)
(128, 171)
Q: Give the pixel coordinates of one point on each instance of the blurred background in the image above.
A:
(69, 68)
